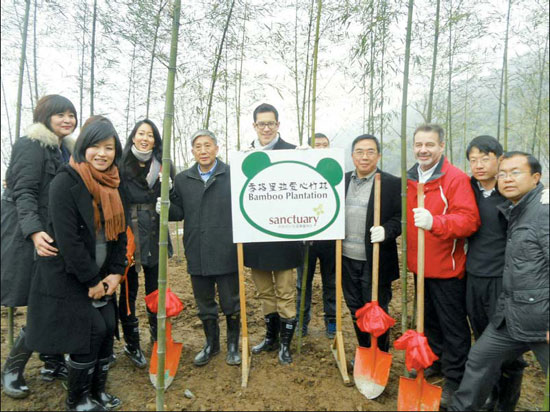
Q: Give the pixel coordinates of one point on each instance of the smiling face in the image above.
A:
(427, 149)
(365, 157)
(63, 124)
(205, 151)
(144, 139)
(102, 154)
(515, 178)
(266, 127)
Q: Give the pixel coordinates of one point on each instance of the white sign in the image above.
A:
(287, 195)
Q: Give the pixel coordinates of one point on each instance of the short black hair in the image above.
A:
(95, 132)
(317, 136)
(49, 105)
(265, 108)
(532, 161)
(485, 144)
(431, 127)
(366, 137)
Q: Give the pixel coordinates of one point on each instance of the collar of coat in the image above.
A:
(47, 138)
(193, 171)
(508, 208)
(412, 173)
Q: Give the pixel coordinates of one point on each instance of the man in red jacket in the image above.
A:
(449, 216)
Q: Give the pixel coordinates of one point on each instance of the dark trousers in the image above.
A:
(493, 348)
(204, 289)
(103, 333)
(357, 289)
(151, 284)
(481, 300)
(446, 326)
(325, 252)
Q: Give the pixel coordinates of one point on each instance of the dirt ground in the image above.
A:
(312, 382)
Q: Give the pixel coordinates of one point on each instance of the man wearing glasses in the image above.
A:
(485, 263)
(520, 322)
(448, 217)
(361, 234)
(272, 264)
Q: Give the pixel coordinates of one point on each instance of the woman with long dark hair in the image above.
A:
(141, 176)
(35, 160)
(72, 307)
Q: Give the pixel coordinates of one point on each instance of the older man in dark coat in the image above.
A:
(202, 198)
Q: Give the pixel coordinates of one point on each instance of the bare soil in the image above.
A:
(312, 382)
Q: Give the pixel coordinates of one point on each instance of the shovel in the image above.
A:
(417, 394)
(372, 366)
(173, 353)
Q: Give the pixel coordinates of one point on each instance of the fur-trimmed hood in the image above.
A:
(39, 132)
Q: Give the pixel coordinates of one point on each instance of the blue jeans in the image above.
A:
(324, 250)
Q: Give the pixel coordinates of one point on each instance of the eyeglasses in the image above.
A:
(483, 161)
(263, 125)
(513, 174)
(361, 153)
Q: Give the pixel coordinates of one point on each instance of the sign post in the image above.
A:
(288, 195)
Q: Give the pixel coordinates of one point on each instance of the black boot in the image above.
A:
(79, 384)
(491, 402)
(13, 380)
(271, 341)
(287, 331)
(99, 381)
(54, 367)
(509, 390)
(212, 346)
(363, 338)
(132, 348)
(152, 318)
(233, 331)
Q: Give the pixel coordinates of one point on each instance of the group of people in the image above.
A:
(65, 218)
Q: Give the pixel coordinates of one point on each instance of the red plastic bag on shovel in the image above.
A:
(173, 304)
(373, 319)
(418, 354)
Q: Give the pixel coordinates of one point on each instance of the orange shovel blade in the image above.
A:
(417, 395)
(371, 371)
(172, 358)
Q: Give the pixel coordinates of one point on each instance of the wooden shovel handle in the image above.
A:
(420, 267)
(376, 246)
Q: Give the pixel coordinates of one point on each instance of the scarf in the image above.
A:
(103, 186)
(141, 156)
(155, 167)
(257, 145)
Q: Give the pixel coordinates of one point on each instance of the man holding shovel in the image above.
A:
(361, 234)
(520, 322)
(448, 217)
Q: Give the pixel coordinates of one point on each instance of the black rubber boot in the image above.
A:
(79, 384)
(491, 402)
(287, 331)
(363, 338)
(13, 381)
(271, 341)
(54, 367)
(212, 346)
(99, 381)
(152, 318)
(509, 390)
(132, 348)
(233, 331)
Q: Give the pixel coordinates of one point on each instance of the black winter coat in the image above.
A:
(205, 208)
(390, 219)
(274, 255)
(139, 195)
(59, 317)
(523, 302)
(35, 160)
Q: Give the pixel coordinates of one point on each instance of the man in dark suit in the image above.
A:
(361, 234)
(272, 263)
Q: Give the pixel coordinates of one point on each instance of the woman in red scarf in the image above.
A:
(72, 308)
